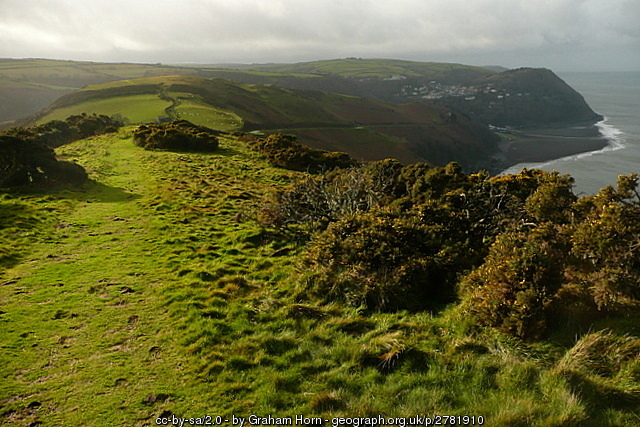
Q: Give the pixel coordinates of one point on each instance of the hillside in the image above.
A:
(366, 129)
(184, 284)
(522, 97)
(379, 69)
(27, 86)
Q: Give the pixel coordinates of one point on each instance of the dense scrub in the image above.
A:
(27, 162)
(59, 132)
(176, 135)
(521, 252)
(286, 152)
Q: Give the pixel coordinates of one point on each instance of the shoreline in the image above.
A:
(545, 144)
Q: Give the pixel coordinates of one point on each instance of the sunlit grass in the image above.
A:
(153, 290)
(135, 108)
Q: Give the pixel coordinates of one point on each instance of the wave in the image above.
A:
(612, 134)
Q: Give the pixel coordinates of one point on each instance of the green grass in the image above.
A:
(153, 290)
(367, 68)
(136, 108)
(194, 109)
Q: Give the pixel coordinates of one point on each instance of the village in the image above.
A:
(437, 90)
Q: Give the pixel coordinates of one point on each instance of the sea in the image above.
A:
(616, 96)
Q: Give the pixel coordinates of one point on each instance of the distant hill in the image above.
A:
(366, 129)
(491, 95)
(28, 85)
(486, 94)
(379, 69)
(522, 97)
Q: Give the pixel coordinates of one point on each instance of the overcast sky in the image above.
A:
(564, 35)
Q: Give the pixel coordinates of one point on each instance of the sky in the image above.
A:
(564, 35)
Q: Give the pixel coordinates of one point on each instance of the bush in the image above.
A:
(176, 135)
(59, 132)
(606, 246)
(514, 288)
(384, 261)
(286, 152)
(28, 162)
(317, 201)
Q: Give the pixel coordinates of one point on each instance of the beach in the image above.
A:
(533, 145)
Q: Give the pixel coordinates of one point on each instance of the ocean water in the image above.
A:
(617, 97)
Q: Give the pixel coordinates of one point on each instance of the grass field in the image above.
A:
(192, 108)
(154, 292)
(368, 68)
(136, 108)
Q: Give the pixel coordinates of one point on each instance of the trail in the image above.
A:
(170, 110)
(82, 328)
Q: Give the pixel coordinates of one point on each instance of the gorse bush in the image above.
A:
(577, 262)
(286, 152)
(517, 282)
(317, 201)
(176, 135)
(32, 163)
(521, 252)
(59, 132)
(383, 261)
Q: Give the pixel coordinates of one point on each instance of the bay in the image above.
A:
(615, 95)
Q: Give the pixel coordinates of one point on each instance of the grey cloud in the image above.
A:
(263, 30)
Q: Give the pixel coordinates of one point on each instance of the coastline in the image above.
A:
(544, 144)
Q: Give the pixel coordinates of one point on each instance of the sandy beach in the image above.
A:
(544, 144)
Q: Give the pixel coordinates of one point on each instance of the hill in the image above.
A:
(366, 129)
(27, 86)
(173, 286)
(522, 97)
(379, 69)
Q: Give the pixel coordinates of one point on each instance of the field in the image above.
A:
(154, 292)
(373, 68)
(192, 108)
(135, 108)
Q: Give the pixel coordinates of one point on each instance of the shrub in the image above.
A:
(384, 261)
(29, 162)
(59, 132)
(176, 135)
(286, 152)
(315, 202)
(606, 246)
(515, 286)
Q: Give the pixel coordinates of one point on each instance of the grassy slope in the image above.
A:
(29, 85)
(410, 133)
(192, 108)
(365, 68)
(154, 292)
(135, 108)
(85, 316)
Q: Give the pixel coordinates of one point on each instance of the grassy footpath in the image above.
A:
(86, 335)
(153, 291)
